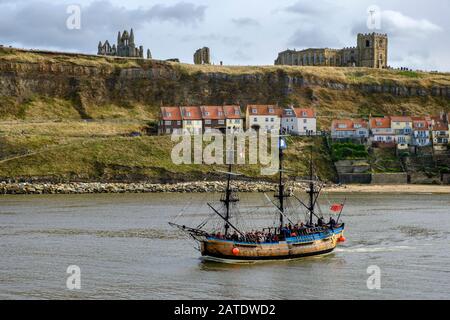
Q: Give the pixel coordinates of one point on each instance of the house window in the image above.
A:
(267, 119)
(206, 113)
(168, 114)
(255, 120)
(188, 122)
(304, 114)
(270, 110)
(188, 113)
(168, 123)
(207, 121)
(367, 43)
(342, 126)
(236, 112)
(305, 121)
(254, 111)
(237, 121)
(179, 123)
(221, 121)
(272, 119)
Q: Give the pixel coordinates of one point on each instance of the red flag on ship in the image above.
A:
(336, 207)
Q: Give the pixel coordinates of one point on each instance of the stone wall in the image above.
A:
(355, 178)
(389, 178)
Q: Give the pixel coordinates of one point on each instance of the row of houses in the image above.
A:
(402, 131)
(229, 119)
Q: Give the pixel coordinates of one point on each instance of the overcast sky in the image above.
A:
(242, 32)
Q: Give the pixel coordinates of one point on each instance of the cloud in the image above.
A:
(44, 24)
(312, 36)
(311, 8)
(396, 24)
(216, 38)
(245, 22)
(240, 55)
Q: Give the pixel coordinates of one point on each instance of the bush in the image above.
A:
(345, 151)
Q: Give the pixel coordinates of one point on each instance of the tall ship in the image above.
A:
(285, 239)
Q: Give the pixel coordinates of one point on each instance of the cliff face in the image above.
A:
(88, 82)
(47, 94)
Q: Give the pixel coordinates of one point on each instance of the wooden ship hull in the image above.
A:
(311, 239)
(292, 248)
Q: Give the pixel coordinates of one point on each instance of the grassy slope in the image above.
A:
(44, 136)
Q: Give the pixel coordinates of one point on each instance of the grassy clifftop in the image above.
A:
(68, 116)
(49, 86)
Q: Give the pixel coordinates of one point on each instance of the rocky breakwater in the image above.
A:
(185, 187)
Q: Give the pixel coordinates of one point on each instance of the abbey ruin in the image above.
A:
(371, 52)
(125, 47)
(202, 56)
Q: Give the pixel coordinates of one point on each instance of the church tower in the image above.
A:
(372, 49)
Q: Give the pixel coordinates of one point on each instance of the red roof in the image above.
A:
(380, 123)
(440, 126)
(264, 110)
(212, 112)
(232, 112)
(305, 113)
(191, 113)
(420, 123)
(348, 123)
(170, 113)
(401, 119)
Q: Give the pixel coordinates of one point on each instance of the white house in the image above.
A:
(440, 132)
(263, 117)
(343, 129)
(234, 120)
(402, 127)
(192, 119)
(421, 131)
(381, 130)
(299, 121)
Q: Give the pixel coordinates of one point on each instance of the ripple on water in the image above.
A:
(128, 233)
(418, 232)
(374, 249)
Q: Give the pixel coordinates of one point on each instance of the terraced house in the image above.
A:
(170, 120)
(440, 132)
(350, 129)
(421, 131)
(200, 119)
(381, 131)
(192, 119)
(402, 127)
(401, 132)
(233, 119)
(299, 121)
(263, 117)
(213, 118)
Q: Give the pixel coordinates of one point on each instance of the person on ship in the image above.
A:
(320, 222)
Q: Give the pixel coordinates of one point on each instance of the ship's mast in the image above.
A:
(227, 201)
(281, 194)
(280, 184)
(311, 191)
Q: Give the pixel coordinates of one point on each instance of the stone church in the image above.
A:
(371, 52)
(125, 47)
